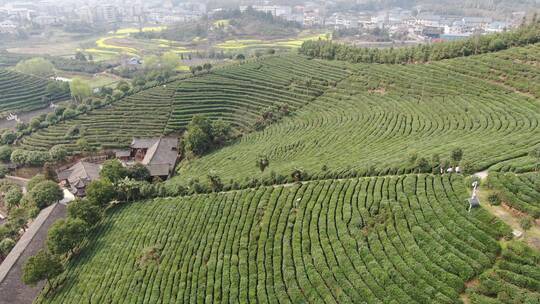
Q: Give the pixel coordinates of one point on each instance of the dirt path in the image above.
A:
(509, 216)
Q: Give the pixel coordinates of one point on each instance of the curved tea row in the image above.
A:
(404, 239)
(381, 115)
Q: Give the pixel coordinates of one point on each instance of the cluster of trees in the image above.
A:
(270, 116)
(199, 68)
(66, 236)
(162, 67)
(57, 88)
(253, 21)
(185, 31)
(436, 164)
(36, 66)
(527, 34)
(203, 135)
(41, 192)
(81, 63)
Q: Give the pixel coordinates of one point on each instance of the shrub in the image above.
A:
(495, 198)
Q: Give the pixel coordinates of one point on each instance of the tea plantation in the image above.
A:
(402, 239)
(236, 94)
(384, 118)
(520, 191)
(21, 92)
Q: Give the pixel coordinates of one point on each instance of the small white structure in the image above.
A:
(473, 201)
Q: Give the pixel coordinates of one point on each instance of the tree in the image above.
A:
(49, 173)
(5, 153)
(297, 175)
(207, 66)
(113, 170)
(65, 235)
(85, 210)
(37, 179)
(58, 153)
(80, 56)
(5, 246)
(215, 182)
(35, 66)
(128, 189)
(169, 61)
(240, 57)
(8, 137)
(18, 157)
(123, 86)
(197, 141)
(83, 145)
(262, 162)
(100, 192)
(13, 197)
(456, 155)
(45, 193)
(139, 172)
(422, 165)
(42, 266)
(221, 131)
(79, 89)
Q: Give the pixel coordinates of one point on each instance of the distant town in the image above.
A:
(28, 18)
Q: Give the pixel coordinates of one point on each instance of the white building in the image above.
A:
(8, 26)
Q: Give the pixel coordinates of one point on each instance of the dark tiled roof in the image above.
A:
(161, 154)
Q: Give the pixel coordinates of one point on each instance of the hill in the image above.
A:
(391, 119)
(236, 94)
(21, 92)
(400, 239)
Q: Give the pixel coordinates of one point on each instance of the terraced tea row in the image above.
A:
(514, 279)
(405, 239)
(520, 191)
(21, 92)
(237, 94)
(141, 114)
(516, 68)
(375, 120)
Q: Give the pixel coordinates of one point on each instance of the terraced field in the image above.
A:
(401, 239)
(514, 279)
(238, 94)
(374, 120)
(21, 92)
(142, 114)
(520, 191)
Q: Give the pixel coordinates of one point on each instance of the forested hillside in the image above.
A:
(475, 45)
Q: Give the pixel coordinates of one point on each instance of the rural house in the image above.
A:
(78, 176)
(158, 154)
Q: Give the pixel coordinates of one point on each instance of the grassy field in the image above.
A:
(375, 120)
(21, 92)
(402, 239)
